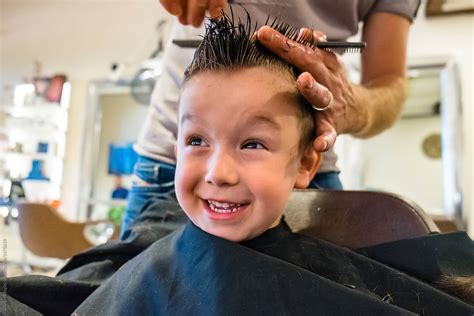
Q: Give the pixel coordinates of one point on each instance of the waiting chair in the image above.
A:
(47, 234)
(356, 219)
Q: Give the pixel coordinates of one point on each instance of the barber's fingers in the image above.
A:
(193, 11)
(196, 10)
(216, 7)
(177, 8)
(183, 18)
(326, 134)
(174, 7)
(316, 94)
(316, 61)
(320, 97)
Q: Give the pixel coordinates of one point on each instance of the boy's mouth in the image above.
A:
(223, 210)
(223, 207)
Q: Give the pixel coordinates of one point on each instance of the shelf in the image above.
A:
(32, 156)
(35, 129)
(42, 109)
(28, 121)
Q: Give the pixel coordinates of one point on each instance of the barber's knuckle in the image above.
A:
(319, 94)
(307, 61)
(332, 59)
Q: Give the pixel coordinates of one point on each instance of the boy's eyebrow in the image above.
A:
(253, 120)
(262, 119)
(188, 117)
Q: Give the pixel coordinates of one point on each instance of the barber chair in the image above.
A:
(46, 233)
(356, 219)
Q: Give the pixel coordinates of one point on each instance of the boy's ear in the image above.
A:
(309, 165)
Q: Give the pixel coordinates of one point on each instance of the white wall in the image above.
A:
(80, 38)
(452, 36)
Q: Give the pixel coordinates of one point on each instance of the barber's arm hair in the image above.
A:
(378, 105)
(377, 102)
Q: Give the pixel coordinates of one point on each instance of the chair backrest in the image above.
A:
(46, 233)
(356, 219)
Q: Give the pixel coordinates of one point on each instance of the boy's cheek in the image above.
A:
(180, 187)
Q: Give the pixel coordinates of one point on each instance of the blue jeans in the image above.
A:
(326, 180)
(160, 179)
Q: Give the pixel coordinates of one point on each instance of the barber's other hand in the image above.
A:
(322, 75)
(192, 12)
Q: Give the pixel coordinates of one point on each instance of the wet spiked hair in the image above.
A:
(227, 45)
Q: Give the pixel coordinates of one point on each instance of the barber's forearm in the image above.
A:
(373, 107)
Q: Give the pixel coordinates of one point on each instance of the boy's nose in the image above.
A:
(221, 170)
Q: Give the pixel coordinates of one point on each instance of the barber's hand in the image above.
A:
(193, 11)
(323, 80)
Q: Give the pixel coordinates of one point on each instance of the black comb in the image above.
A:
(331, 46)
(342, 47)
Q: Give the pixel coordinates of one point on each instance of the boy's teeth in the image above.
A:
(223, 207)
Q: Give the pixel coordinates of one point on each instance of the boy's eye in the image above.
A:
(253, 145)
(196, 141)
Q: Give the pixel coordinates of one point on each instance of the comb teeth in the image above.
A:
(342, 50)
(342, 47)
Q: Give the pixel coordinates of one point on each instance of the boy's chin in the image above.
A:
(235, 235)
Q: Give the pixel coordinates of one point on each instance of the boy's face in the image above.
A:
(237, 151)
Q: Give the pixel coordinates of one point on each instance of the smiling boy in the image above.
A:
(239, 152)
(244, 143)
(245, 136)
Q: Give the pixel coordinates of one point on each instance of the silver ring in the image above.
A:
(327, 106)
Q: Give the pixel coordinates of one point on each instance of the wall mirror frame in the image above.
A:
(105, 119)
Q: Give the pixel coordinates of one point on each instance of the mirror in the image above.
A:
(420, 157)
(112, 118)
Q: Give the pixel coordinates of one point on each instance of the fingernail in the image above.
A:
(265, 35)
(325, 145)
(310, 84)
(304, 34)
(175, 9)
(301, 34)
(327, 140)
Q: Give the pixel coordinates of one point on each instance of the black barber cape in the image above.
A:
(190, 272)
